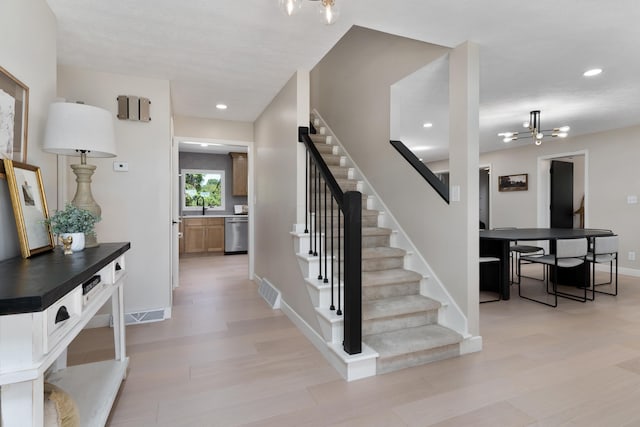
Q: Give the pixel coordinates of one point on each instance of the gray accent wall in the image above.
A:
(212, 162)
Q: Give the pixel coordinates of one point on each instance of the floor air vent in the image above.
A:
(142, 317)
(270, 294)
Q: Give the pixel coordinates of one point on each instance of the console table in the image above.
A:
(45, 302)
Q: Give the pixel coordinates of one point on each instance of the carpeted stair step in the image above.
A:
(321, 203)
(369, 219)
(390, 314)
(332, 159)
(382, 258)
(389, 283)
(413, 346)
(372, 237)
(325, 148)
(344, 183)
(339, 171)
(375, 237)
(317, 138)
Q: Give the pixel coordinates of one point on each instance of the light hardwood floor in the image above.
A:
(227, 359)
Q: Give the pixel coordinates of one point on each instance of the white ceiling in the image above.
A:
(241, 52)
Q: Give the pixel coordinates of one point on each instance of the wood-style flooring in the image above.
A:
(227, 359)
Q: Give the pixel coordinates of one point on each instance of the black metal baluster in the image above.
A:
(311, 200)
(306, 193)
(333, 307)
(326, 280)
(317, 197)
(323, 208)
(339, 311)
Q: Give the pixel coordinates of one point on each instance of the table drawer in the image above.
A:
(60, 317)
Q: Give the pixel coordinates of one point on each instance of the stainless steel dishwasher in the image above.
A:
(236, 235)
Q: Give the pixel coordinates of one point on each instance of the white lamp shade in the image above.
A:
(73, 128)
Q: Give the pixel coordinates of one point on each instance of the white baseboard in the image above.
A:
(350, 367)
(471, 345)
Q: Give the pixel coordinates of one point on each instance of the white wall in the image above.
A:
(136, 204)
(276, 163)
(612, 176)
(351, 90)
(28, 51)
(196, 127)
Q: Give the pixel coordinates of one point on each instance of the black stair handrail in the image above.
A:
(441, 188)
(350, 204)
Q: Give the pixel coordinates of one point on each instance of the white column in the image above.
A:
(464, 153)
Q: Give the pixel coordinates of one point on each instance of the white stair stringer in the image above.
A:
(450, 315)
(351, 367)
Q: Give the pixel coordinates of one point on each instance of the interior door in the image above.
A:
(561, 194)
(175, 215)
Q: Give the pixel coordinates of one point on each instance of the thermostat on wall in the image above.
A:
(121, 166)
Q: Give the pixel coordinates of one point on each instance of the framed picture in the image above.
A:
(513, 182)
(29, 207)
(14, 112)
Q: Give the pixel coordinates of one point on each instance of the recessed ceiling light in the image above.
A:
(221, 106)
(592, 72)
(427, 125)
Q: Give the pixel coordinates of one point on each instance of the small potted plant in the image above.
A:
(74, 222)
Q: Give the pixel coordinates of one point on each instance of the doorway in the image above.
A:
(580, 188)
(206, 154)
(485, 196)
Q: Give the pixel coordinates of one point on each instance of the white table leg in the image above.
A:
(117, 309)
(23, 404)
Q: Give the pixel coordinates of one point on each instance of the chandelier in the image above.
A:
(328, 9)
(535, 131)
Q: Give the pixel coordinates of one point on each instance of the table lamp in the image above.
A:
(85, 131)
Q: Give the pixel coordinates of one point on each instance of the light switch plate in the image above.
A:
(632, 200)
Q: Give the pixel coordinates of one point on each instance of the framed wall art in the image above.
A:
(14, 113)
(29, 207)
(513, 182)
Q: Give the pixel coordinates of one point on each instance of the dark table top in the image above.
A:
(33, 284)
(543, 233)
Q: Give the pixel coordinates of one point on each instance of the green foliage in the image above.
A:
(72, 220)
(196, 189)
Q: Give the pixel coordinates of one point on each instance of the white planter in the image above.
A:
(78, 241)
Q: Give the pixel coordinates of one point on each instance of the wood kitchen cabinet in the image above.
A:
(240, 173)
(203, 235)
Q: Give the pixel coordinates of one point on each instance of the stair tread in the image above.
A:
(397, 306)
(376, 231)
(382, 252)
(411, 340)
(386, 277)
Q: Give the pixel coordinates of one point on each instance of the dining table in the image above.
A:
(496, 243)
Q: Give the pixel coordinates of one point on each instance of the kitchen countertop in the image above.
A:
(222, 215)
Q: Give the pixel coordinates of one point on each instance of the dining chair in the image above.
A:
(516, 251)
(569, 253)
(485, 260)
(604, 250)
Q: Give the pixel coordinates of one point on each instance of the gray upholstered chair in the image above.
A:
(604, 250)
(568, 253)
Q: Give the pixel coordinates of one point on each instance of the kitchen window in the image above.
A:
(202, 188)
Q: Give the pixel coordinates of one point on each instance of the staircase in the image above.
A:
(399, 323)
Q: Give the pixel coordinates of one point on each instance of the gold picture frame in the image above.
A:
(29, 207)
(14, 117)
